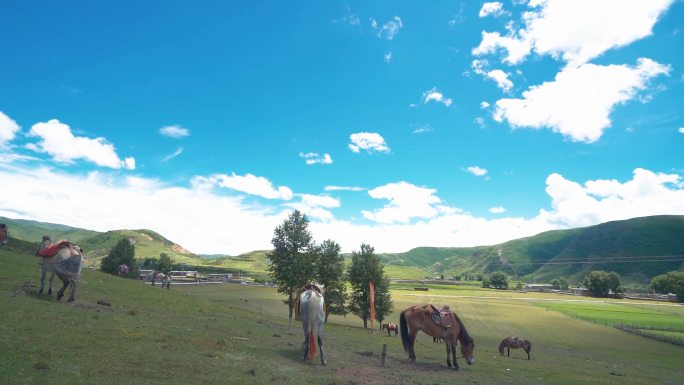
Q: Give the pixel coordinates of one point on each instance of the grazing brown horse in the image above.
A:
(390, 327)
(420, 317)
(515, 343)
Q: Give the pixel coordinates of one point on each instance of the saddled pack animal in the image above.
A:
(515, 343)
(64, 259)
(390, 327)
(442, 323)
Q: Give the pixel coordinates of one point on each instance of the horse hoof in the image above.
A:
(324, 363)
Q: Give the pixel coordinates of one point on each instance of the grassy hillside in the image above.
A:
(633, 248)
(237, 334)
(33, 231)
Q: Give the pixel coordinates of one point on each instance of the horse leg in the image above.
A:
(305, 344)
(43, 273)
(52, 278)
(65, 284)
(453, 353)
(412, 345)
(320, 348)
(509, 351)
(448, 350)
(528, 354)
(73, 291)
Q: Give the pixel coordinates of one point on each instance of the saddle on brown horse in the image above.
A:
(442, 316)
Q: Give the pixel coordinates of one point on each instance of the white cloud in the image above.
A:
(475, 170)
(480, 121)
(598, 201)
(249, 184)
(8, 129)
(178, 151)
(499, 76)
(497, 210)
(343, 188)
(174, 131)
(433, 95)
(390, 29)
(58, 141)
(205, 221)
(681, 130)
(577, 104)
(368, 141)
(315, 206)
(314, 158)
(406, 201)
(423, 128)
(388, 57)
(576, 31)
(492, 8)
(484, 105)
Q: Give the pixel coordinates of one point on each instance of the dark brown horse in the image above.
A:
(391, 327)
(515, 343)
(420, 317)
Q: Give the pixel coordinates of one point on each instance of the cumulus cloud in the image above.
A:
(499, 76)
(475, 170)
(497, 210)
(367, 141)
(484, 105)
(406, 201)
(388, 30)
(681, 130)
(433, 95)
(388, 57)
(314, 158)
(575, 31)
(8, 129)
(492, 8)
(577, 104)
(315, 206)
(174, 131)
(58, 141)
(248, 183)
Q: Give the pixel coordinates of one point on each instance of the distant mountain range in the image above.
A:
(638, 249)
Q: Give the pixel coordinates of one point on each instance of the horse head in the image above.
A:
(468, 350)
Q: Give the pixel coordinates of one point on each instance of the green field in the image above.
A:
(237, 334)
(616, 313)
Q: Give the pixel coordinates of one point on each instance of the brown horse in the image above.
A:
(515, 343)
(391, 327)
(419, 317)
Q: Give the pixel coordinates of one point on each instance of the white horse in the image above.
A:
(312, 315)
(66, 263)
(166, 281)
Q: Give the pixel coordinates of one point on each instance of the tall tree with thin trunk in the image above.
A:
(330, 267)
(365, 268)
(292, 260)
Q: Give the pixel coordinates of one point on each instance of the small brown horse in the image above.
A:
(515, 343)
(391, 327)
(419, 317)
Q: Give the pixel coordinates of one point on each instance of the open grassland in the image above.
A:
(617, 313)
(237, 334)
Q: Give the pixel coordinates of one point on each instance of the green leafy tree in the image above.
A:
(601, 283)
(672, 282)
(560, 284)
(150, 263)
(123, 253)
(498, 280)
(365, 268)
(165, 263)
(292, 260)
(330, 267)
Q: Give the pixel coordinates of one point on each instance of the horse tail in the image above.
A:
(70, 268)
(313, 319)
(404, 331)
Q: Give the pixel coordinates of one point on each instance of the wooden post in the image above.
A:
(384, 354)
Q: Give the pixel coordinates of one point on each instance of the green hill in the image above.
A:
(33, 231)
(637, 249)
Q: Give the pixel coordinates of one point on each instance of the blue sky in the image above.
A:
(399, 124)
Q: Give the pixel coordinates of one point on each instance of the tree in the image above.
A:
(366, 268)
(560, 284)
(498, 280)
(123, 253)
(150, 263)
(330, 268)
(292, 260)
(672, 282)
(601, 283)
(165, 263)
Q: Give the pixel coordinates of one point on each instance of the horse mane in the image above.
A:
(464, 333)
